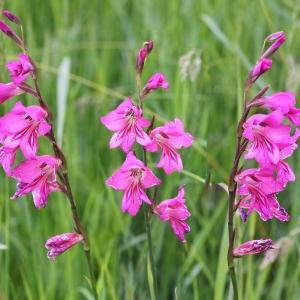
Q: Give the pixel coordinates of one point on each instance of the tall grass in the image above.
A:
(101, 38)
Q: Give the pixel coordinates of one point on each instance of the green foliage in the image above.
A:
(101, 39)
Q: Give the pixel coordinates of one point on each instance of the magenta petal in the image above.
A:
(133, 177)
(9, 90)
(175, 211)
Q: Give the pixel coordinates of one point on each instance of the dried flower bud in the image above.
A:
(142, 56)
(11, 17)
(252, 247)
(58, 244)
(11, 34)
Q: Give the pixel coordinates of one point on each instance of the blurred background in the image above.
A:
(85, 51)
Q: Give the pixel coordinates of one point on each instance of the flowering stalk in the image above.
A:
(64, 177)
(147, 210)
(37, 174)
(266, 139)
(134, 176)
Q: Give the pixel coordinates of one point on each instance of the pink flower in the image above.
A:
(270, 140)
(9, 90)
(169, 138)
(277, 39)
(285, 101)
(132, 178)
(58, 244)
(142, 56)
(20, 69)
(22, 126)
(37, 176)
(263, 65)
(127, 122)
(156, 81)
(252, 247)
(258, 190)
(176, 212)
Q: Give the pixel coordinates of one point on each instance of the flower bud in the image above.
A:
(252, 247)
(11, 34)
(58, 244)
(262, 66)
(11, 17)
(142, 56)
(277, 39)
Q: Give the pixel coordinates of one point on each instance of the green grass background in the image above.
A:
(101, 38)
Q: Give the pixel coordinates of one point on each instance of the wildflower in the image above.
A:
(169, 138)
(258, 190)
(285, 101)
(58, 244)
(9, 90)
(132, 178)
(127, 122)
(20, 69)
(22, 127)
(253, 247)
(156, 81)
(37, 176)
(269, 138)
(262, 66)
(10, 16)
(176, 212)
(142, 56)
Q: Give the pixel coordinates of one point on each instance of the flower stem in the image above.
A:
(150, 251)
(241, 145)
(64, 177)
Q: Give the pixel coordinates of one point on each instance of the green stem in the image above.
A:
(150, 250)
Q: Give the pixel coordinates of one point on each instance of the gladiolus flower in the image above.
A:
(258, 190)
(270, 140)
(22, 127)
(127, 122)
(133, 178)
(176, 212)
(169, 138)
(9, 90)
(58, 244)
(252, 247)
(285, 101)
(142, 56)
(156, 81)
(20, 69)
(37, 176)
(262, 66)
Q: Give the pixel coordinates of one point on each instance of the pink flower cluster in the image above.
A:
(271, 138)
(20, 130)
(129, 126)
